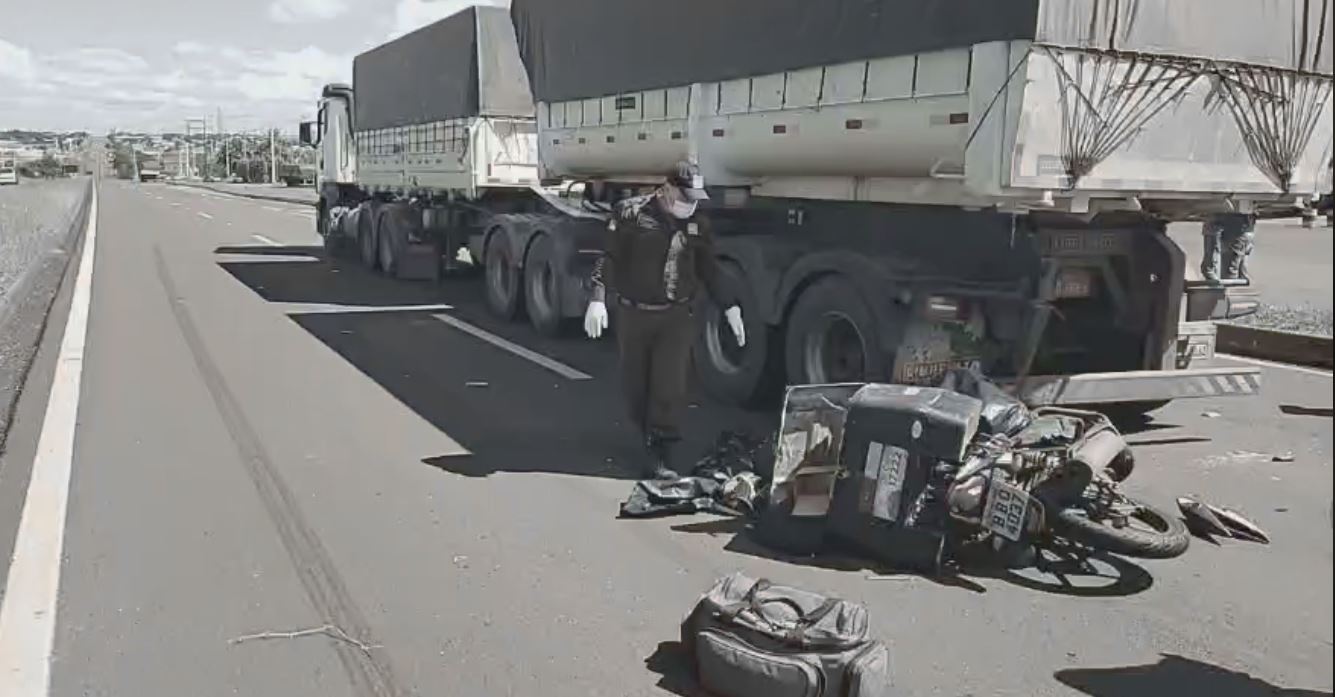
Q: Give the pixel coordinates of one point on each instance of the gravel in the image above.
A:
(1303, 318)
(34, 218)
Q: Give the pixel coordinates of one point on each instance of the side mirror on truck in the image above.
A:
(306, 133)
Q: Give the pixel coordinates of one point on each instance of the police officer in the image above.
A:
(1230, 239)
(658, 254)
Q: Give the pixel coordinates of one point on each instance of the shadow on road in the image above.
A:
(314, 280)
(1295, 410)
(511, 414)
(1172, 676)
(1059, 570)
(265, 250)
(673, 666)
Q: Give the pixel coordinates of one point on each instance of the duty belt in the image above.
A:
(649, 307)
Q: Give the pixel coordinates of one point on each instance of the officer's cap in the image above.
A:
(686, 177)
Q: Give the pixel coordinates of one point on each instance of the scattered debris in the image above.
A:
(329, 630)
(724, 481)
(461, 560)
(477, 383)
(1211, 414)
(1283, 457)
(1207, 522)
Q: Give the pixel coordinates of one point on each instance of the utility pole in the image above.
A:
(273, 157)
(227, 163)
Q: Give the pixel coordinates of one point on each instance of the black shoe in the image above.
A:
(660, 459)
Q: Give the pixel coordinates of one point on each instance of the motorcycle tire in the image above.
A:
(1168, 538)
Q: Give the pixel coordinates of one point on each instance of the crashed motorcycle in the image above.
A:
(910, 476)
(1058, 478)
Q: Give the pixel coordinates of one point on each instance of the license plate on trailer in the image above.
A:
(1006, 510)
(1075, 283)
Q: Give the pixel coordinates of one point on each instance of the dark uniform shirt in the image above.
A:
(653, 258)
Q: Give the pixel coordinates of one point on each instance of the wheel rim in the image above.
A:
(835, 351)
(1121, 513)
(724, 353)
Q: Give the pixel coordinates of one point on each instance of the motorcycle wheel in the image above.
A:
(1123, 526)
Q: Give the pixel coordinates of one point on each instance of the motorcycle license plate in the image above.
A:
(1007, 506)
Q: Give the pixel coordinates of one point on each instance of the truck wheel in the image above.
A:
(832, 337)
(543, 279)
(366, 238)
(502, 278)
(727, 372)
(330, 233)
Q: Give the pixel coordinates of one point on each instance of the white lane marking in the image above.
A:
(268, 241)
(1272, 364)
(204, 215)
(28, 611)
(551, 364)
(335, 309)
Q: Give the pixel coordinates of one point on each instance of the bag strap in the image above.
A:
(805, 620)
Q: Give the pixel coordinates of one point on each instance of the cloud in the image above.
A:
(299, 11)
(189, 48)
(97, 61)
(99, 88)
(16, 63)
(410, 15)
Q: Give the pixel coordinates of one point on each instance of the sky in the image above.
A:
(148, 65)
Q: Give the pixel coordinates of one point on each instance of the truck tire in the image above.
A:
(330, 233)
(366, 235)
(742, 375)
(392, 239)
(543, 281)
(831, 337)
(502, 278)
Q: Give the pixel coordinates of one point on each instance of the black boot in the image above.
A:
(659, 466)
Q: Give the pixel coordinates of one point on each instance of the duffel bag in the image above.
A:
(750, 638)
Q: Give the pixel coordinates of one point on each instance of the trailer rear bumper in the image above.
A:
(1141, 386)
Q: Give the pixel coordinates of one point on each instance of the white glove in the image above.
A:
(734, 317)
(595, 319)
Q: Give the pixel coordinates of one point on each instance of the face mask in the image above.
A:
(683, 209)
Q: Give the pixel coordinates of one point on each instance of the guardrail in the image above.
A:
(1273, 345)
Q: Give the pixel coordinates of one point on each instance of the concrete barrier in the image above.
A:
(1271, 345)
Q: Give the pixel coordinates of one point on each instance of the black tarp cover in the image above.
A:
(576, 49)
(464, 65)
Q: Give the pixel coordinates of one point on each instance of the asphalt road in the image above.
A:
(293, 194)
(270, 442)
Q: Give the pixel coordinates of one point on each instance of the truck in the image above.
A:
(294, 174)
(898, 187)
(149, 167)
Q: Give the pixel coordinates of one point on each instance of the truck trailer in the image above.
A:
(898, 187)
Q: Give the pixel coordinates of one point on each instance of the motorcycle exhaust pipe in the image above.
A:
(1105, 450)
